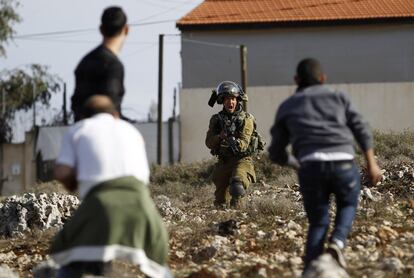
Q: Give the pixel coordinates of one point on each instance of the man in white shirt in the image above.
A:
(104, 159)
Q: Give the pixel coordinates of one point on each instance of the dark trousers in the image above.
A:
(318, 180)
(78, 269)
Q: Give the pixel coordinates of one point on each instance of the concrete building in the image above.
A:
(366, 47)
(18, 167)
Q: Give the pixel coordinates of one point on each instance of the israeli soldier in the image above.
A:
(232, 137)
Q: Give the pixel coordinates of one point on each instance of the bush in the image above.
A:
(195, 174)
(267, 206)
(394, 146)
(267, 171)
(182, 193)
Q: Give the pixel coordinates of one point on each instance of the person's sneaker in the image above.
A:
(336, 252)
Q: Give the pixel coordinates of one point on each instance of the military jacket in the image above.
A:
(239, 125)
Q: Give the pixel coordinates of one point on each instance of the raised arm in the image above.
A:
(280, 140)
(67, 176)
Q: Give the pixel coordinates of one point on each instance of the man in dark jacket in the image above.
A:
(100, 71)
(321, 126)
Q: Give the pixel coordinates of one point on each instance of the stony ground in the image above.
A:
(267, 234)
(265, 237)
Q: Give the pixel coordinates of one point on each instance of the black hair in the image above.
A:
(113, 21)
(308, 72)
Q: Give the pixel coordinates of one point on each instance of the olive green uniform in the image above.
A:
(117, 220)
(231, 166)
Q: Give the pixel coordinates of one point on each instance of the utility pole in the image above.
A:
(171, 122)
(3, 99)
(34, 104)
(3, 111)
(65, 113)
(171, 140)
(160, 78)
(174, 103)
(243, 66)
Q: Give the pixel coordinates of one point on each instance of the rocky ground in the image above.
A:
(264, 238)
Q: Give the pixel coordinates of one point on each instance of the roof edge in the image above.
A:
(293, 24)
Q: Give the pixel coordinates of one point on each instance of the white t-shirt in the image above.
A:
(102, 148)
(321, 156)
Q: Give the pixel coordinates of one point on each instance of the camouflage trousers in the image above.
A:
(228, 170)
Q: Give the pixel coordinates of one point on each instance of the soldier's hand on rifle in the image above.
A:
(223, 135)
(231, 139)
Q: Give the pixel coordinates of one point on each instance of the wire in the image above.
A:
(140, 23)
(82, 41)
(173, 1)
(211, 43)
(87, 30)
(132, 24)
(148, 44)
(54, 33)
(152, 4)
(167, 11)
(142, 49)
(152, 22)
(127, 42)
(56, 40)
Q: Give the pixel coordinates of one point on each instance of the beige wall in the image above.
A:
(19, 167)
(355, 53)
(387, 106)
(13, 158)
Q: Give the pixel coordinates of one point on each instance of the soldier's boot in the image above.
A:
(237, 191)
(235, 203)
(221, 197)
(220, 205)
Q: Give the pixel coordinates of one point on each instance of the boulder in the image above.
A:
(20, 214)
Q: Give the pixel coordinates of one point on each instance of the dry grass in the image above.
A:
(267, 171)
(194, 174)
(47, 187)
(267, 206)
(394, 146)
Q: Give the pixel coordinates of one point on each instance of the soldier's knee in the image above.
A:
(237, 188)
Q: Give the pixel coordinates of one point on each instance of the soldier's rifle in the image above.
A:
(229, 136)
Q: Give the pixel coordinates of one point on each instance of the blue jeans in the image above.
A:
(318, 180)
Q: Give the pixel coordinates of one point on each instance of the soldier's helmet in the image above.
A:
(229, 88)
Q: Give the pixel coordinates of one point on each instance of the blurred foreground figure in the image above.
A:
(232, 137)
(104, 159)
(321, 125)
(100, 71)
